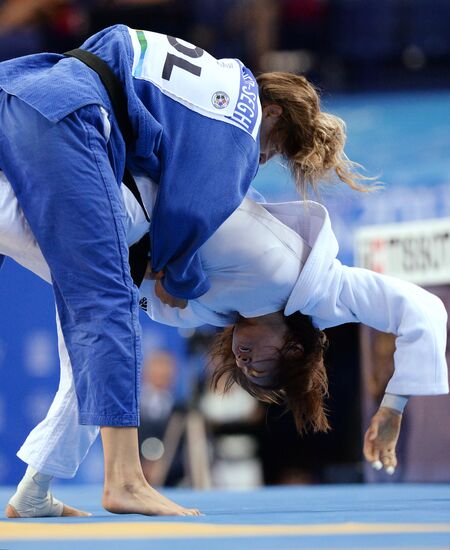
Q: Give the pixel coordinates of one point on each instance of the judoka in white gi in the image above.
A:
(266, 263)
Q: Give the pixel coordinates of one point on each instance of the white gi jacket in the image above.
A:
(318, 285)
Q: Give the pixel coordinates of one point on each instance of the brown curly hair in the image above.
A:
(300, 380)
(311, 140)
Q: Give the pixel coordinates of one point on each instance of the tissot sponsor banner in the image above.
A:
(416, 251)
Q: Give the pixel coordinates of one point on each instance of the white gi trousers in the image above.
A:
(58, 445)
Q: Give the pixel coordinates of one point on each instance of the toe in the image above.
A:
(68, 511)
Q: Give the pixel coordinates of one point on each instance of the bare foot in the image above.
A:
(126, 490)
(68, 511)
(142, 499)
(168, 502)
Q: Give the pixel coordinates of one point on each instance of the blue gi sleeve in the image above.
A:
(204, 178)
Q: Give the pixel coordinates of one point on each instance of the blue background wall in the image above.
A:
(403, 138)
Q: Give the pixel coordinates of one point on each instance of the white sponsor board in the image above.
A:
(416, 251)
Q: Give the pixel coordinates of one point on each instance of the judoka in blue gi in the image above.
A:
(200, 132)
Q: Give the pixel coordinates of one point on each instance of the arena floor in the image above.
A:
(352, 516)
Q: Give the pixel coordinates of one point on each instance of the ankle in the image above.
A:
(34, 483)
(124, 481)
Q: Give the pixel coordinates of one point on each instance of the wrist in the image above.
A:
(395, 402)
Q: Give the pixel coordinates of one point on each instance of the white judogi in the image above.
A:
(262, 259)
(329, 292)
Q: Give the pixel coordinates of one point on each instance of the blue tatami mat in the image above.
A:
(353, 517)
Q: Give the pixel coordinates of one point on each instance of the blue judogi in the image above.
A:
(66, 173)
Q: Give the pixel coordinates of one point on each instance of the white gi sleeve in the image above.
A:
(415, 316)
(194, 315)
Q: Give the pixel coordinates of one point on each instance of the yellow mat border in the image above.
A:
(18, 530)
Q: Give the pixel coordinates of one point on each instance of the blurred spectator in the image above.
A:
(157, 385)
(304, 25)
(320, 458)
(157, 405)
(262, 30)
(163, 16)
(245, 29)
(15, 14)
(235, 421)
(31, 26)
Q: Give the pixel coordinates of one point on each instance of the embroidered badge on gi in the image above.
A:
(220, 100)
(143, 304)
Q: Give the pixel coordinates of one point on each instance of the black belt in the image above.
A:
(138, 252)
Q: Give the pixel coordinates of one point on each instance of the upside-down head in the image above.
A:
(276, 364)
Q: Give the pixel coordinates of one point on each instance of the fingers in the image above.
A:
(149, 274)
(378, 450)
(148, 271)
(153, 275)
(160, 292)
(389, 460)
(371, 451)
(179, 302)
(174, 302)
(167, 298)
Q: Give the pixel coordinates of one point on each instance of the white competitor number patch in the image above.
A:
(221, 89)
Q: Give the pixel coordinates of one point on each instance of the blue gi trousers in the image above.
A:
(65, 179)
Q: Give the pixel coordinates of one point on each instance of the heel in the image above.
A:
(11, 512)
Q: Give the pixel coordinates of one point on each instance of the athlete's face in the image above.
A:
(256, 345)
(270, 116)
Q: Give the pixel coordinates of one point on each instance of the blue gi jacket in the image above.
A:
(203, 162)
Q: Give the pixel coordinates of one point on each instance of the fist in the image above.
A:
(167, 298)
(153, 276)
(381, 439)
(160, 291)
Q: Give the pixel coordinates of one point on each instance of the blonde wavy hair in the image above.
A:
(311, 140)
